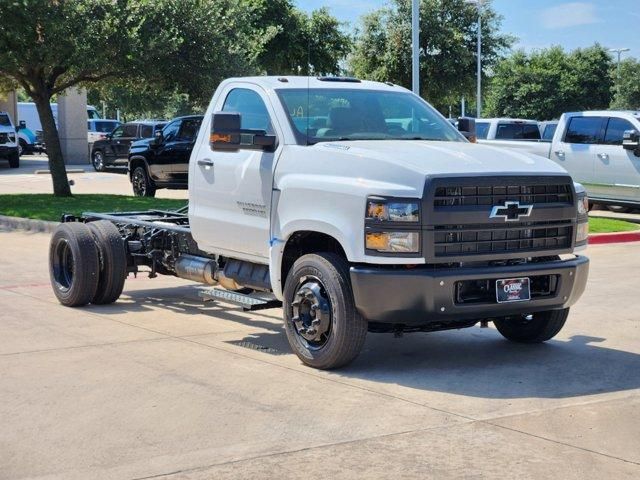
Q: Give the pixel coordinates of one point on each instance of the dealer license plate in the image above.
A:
(513, 290)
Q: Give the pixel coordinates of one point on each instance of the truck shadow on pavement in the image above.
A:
(473, 362)
(480, 363)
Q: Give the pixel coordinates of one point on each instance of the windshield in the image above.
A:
(103, 127)
(517, 131)
(482, 130)
(4, 120)
(323, 115)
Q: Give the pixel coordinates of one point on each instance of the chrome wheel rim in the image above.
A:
(98, 161)
(139, 183)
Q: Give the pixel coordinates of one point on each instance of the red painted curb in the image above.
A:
(618, 237)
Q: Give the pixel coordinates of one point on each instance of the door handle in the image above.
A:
(205, 162)
(559, 153)
(603, 156)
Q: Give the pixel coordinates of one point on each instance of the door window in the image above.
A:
(118, 132)
(585, 130)
(170, 132)
(249, 105)
(615, 130)
(146, 131)
(130, 130)
(189, 129)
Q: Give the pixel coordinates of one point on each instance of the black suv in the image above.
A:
(163, 161)
(113, 151)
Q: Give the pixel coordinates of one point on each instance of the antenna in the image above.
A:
(308, 85)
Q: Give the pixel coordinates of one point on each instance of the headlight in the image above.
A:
(583, 205)
(393, 211)
(12, 137)
(393, 242)
(582, 232)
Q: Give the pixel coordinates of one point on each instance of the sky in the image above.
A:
(537, 23)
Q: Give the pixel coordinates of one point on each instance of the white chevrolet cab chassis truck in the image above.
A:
(355, 206)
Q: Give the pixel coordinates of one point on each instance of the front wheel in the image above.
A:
(322, 323)
(533, 328)
(97, 160)
(142, 184)
(618, 209)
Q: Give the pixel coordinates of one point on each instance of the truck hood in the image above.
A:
(441, 158)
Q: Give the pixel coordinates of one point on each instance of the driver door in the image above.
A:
(234, 188)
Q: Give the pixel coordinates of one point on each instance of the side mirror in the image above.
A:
(21, 125)
(631, 141)
(226, 134)
(467, 127)
(157, 138)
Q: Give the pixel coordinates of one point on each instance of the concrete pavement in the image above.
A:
(160, 385)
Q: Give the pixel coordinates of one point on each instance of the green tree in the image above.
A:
(48, 46)
(273, 36)
(293, 41)
(448, 33)
(546, 83)
(627, 88)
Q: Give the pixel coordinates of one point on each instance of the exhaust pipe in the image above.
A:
(203, 270)
(197, 269)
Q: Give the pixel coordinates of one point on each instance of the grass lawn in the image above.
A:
(607, 225)
(47, 207)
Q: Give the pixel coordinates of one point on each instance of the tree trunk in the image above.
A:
(57, 167)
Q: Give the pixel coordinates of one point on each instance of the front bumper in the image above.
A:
(423, 295)
(6, 150)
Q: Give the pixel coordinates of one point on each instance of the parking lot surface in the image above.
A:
(114, 181)
(159, 385)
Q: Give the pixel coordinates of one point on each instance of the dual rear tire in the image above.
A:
(87, 263)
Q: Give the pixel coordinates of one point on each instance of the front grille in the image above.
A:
(456, 240)
(4, 138)
(459, 226)
(496, 194)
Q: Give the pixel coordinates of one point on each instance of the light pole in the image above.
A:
(415, 46)
(619, 52)
(478, 4)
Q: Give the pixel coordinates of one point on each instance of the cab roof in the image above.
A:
(283, 82)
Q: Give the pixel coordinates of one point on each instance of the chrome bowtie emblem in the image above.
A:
(511, 211)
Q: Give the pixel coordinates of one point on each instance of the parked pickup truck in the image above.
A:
(356, 207)
(593, 148)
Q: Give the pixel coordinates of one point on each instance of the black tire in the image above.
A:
(14, 161)
(143, 186)
(97, 160)
(536, 328)
(618, 209)
(113, 262)
(73, 264)
(344, 329)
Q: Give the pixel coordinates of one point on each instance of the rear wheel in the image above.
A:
(97, 160)
(142, 184)
(14, 160)
(113, 262)
(534, 328)
(73, 264)
(323, 326)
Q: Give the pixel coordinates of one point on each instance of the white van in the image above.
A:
(28, 113)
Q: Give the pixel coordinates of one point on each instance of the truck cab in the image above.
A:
(589, 145)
